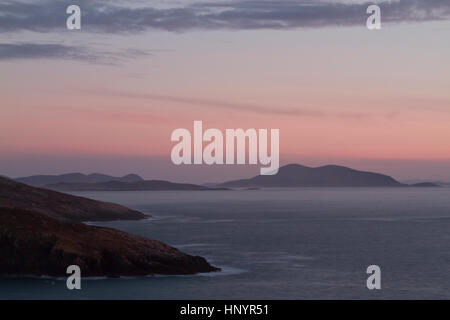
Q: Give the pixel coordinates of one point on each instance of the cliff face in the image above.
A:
(34, 244)
(60, 205)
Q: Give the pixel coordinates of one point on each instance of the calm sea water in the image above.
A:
(301, 243)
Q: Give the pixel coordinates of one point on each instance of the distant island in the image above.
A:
(41, 234)
(101, 182)
(416, 182)
(145, 185)
(296, 175)
(76, 177)
(291, 175)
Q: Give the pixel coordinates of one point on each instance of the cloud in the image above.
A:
(207, 103)
(16, 51)
(114, 17)
(13, 51)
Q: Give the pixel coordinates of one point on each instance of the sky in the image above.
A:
(106, 98)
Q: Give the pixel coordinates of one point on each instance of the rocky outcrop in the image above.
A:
(60, 205)
(34, 244)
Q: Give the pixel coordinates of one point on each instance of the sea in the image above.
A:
(302, 243)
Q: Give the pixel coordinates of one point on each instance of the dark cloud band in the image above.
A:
(102, 16)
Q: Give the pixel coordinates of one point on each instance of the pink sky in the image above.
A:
(338, 95)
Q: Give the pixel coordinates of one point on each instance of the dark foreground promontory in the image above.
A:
(41, 233)
(61, 206)
(35, 244)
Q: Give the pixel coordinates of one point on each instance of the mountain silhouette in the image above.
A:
(295, 175)
(144, 185)
(44, 180)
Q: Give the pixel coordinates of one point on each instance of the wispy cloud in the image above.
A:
(16, 51)
(208, 103)
(102, 16)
